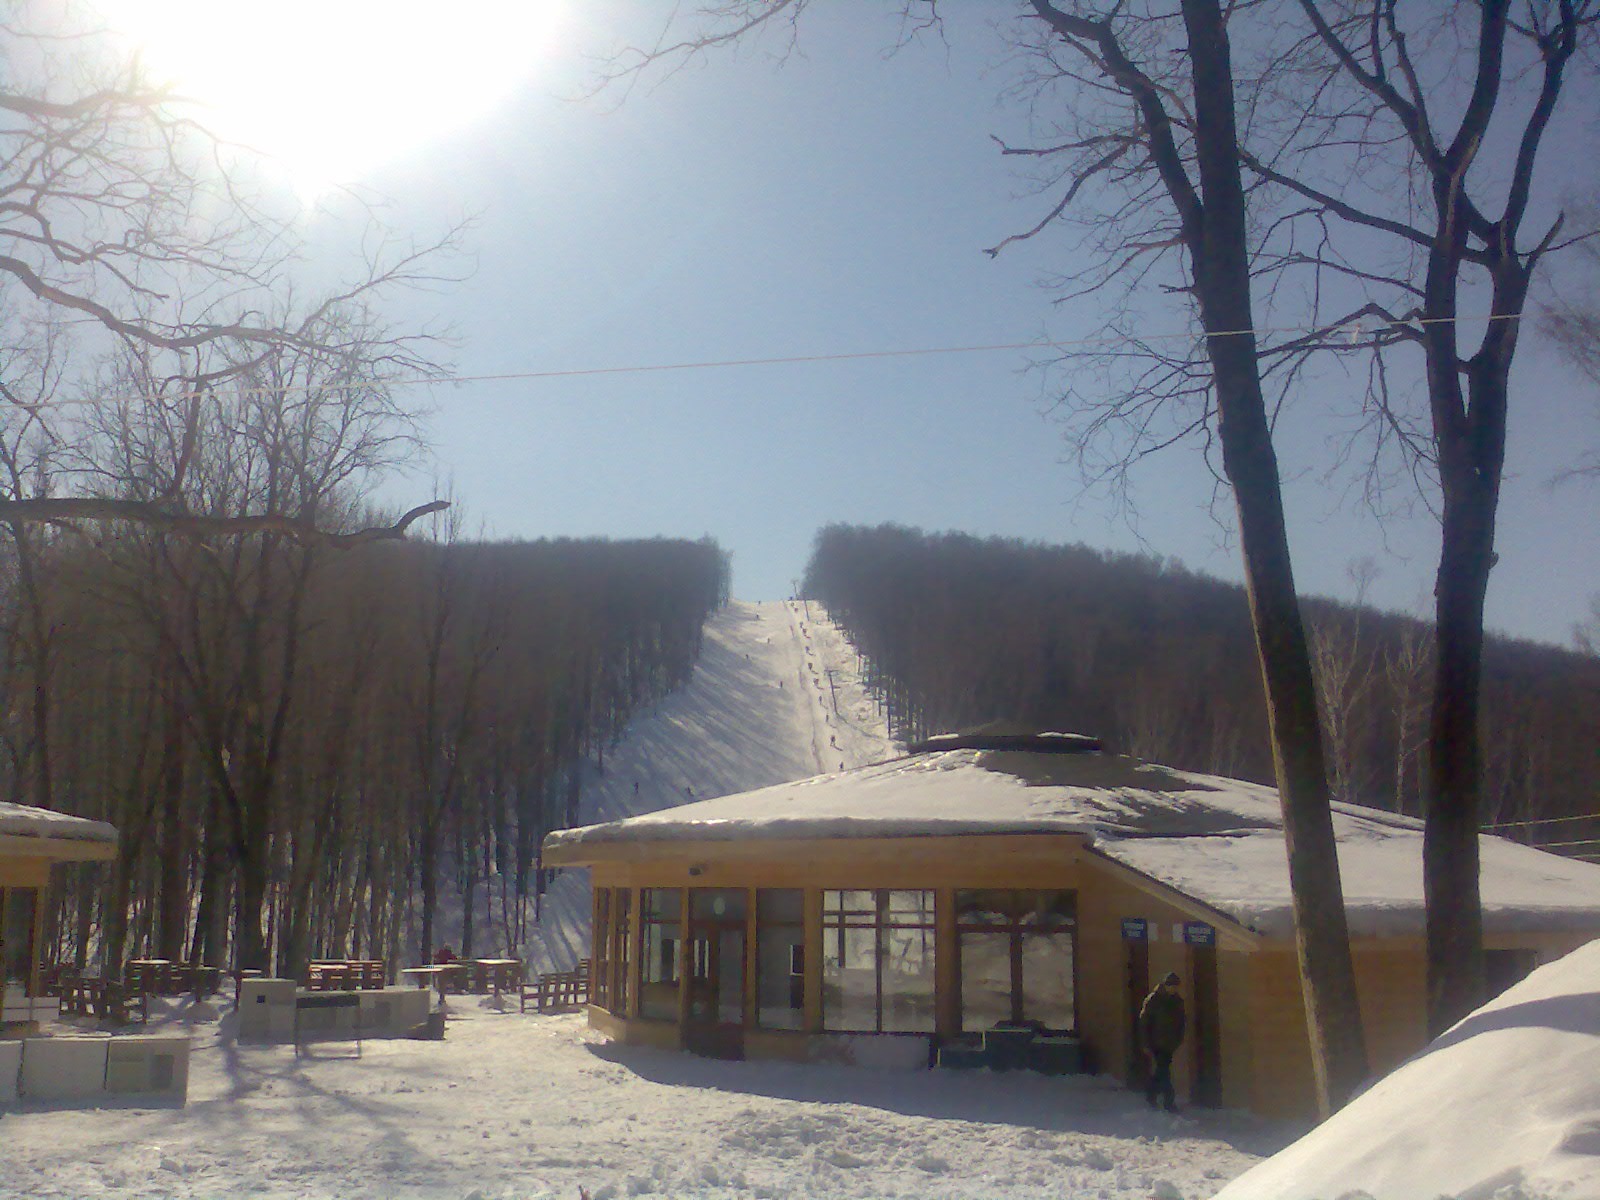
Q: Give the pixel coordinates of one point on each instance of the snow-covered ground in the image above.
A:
(776, 696)
(528, 1106)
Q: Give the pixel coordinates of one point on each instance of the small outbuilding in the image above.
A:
(1009, 900)
(32, 840)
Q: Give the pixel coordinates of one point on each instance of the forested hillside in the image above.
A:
(304, 747)
(1159, 662)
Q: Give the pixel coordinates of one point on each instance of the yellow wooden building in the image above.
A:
(32, 840)
(1009, 900)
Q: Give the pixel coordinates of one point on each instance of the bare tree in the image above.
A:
(1398, 130)
(1407, 666)
(118, 210)
(310, 430)
(1586, 633)
(1345, 668)
(1571, 319)
(1153, 104)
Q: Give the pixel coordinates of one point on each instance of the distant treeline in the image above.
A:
(1159, 662)
(304, 746)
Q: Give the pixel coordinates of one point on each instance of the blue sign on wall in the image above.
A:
(1198, 933)
(1135, 929)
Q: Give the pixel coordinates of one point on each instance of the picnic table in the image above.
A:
(496, 975)
(91, 996)
(344, 974)
(164, 977)
(438, 975)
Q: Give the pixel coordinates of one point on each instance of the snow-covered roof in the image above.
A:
(1216, 840)
(24, 821)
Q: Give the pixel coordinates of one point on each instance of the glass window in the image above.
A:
(908, 980)
(877, 966)
(601, 942)
(780, 958)
(1047, 985)
(717, 904)
(1017, 957)
(659, 970)
(622, 951)
(985, 979)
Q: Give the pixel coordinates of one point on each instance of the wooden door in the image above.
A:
(1136, 973)
(715, 1022)
(1205, 1023)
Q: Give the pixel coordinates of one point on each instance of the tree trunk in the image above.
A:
(1216, 233)
(1471, 460)
(114, 921)
(250, 902)
(428, 880)
(173, 902)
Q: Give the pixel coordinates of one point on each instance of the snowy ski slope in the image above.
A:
(776, 696)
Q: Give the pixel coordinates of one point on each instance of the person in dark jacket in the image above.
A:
(1161, 1027)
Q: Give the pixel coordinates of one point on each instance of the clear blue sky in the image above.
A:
(839, 202)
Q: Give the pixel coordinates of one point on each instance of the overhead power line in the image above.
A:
(1594, 816)
(1354, 330)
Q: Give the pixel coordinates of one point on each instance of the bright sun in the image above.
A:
(331, 89)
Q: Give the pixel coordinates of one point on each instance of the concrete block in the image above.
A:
(323, 1023)
(63, 1068)
(253, 992)
(17, 1005)
(266, 1010)
(377, 1012)
(150, 1065)
(394, 1011)
(10, 1070)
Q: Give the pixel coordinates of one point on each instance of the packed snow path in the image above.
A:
(776, 696)
(512, 1106)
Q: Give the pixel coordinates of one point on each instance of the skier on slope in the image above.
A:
(1161, 1027)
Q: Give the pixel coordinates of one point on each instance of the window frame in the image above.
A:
(670, 928)
(796, 971)
(1016, 928)
(836, 920)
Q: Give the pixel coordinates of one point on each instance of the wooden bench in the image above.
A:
(557, 990)
(87, 996)
(345, 975)
(157, 977)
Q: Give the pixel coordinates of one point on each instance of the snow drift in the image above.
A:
(1506, 1104)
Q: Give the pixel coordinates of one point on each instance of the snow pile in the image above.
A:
(1217, 840)
(22, 820)
(1504, 1106)
(731, 728)
(513, 1107)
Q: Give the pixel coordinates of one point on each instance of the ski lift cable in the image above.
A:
(1100, 342)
